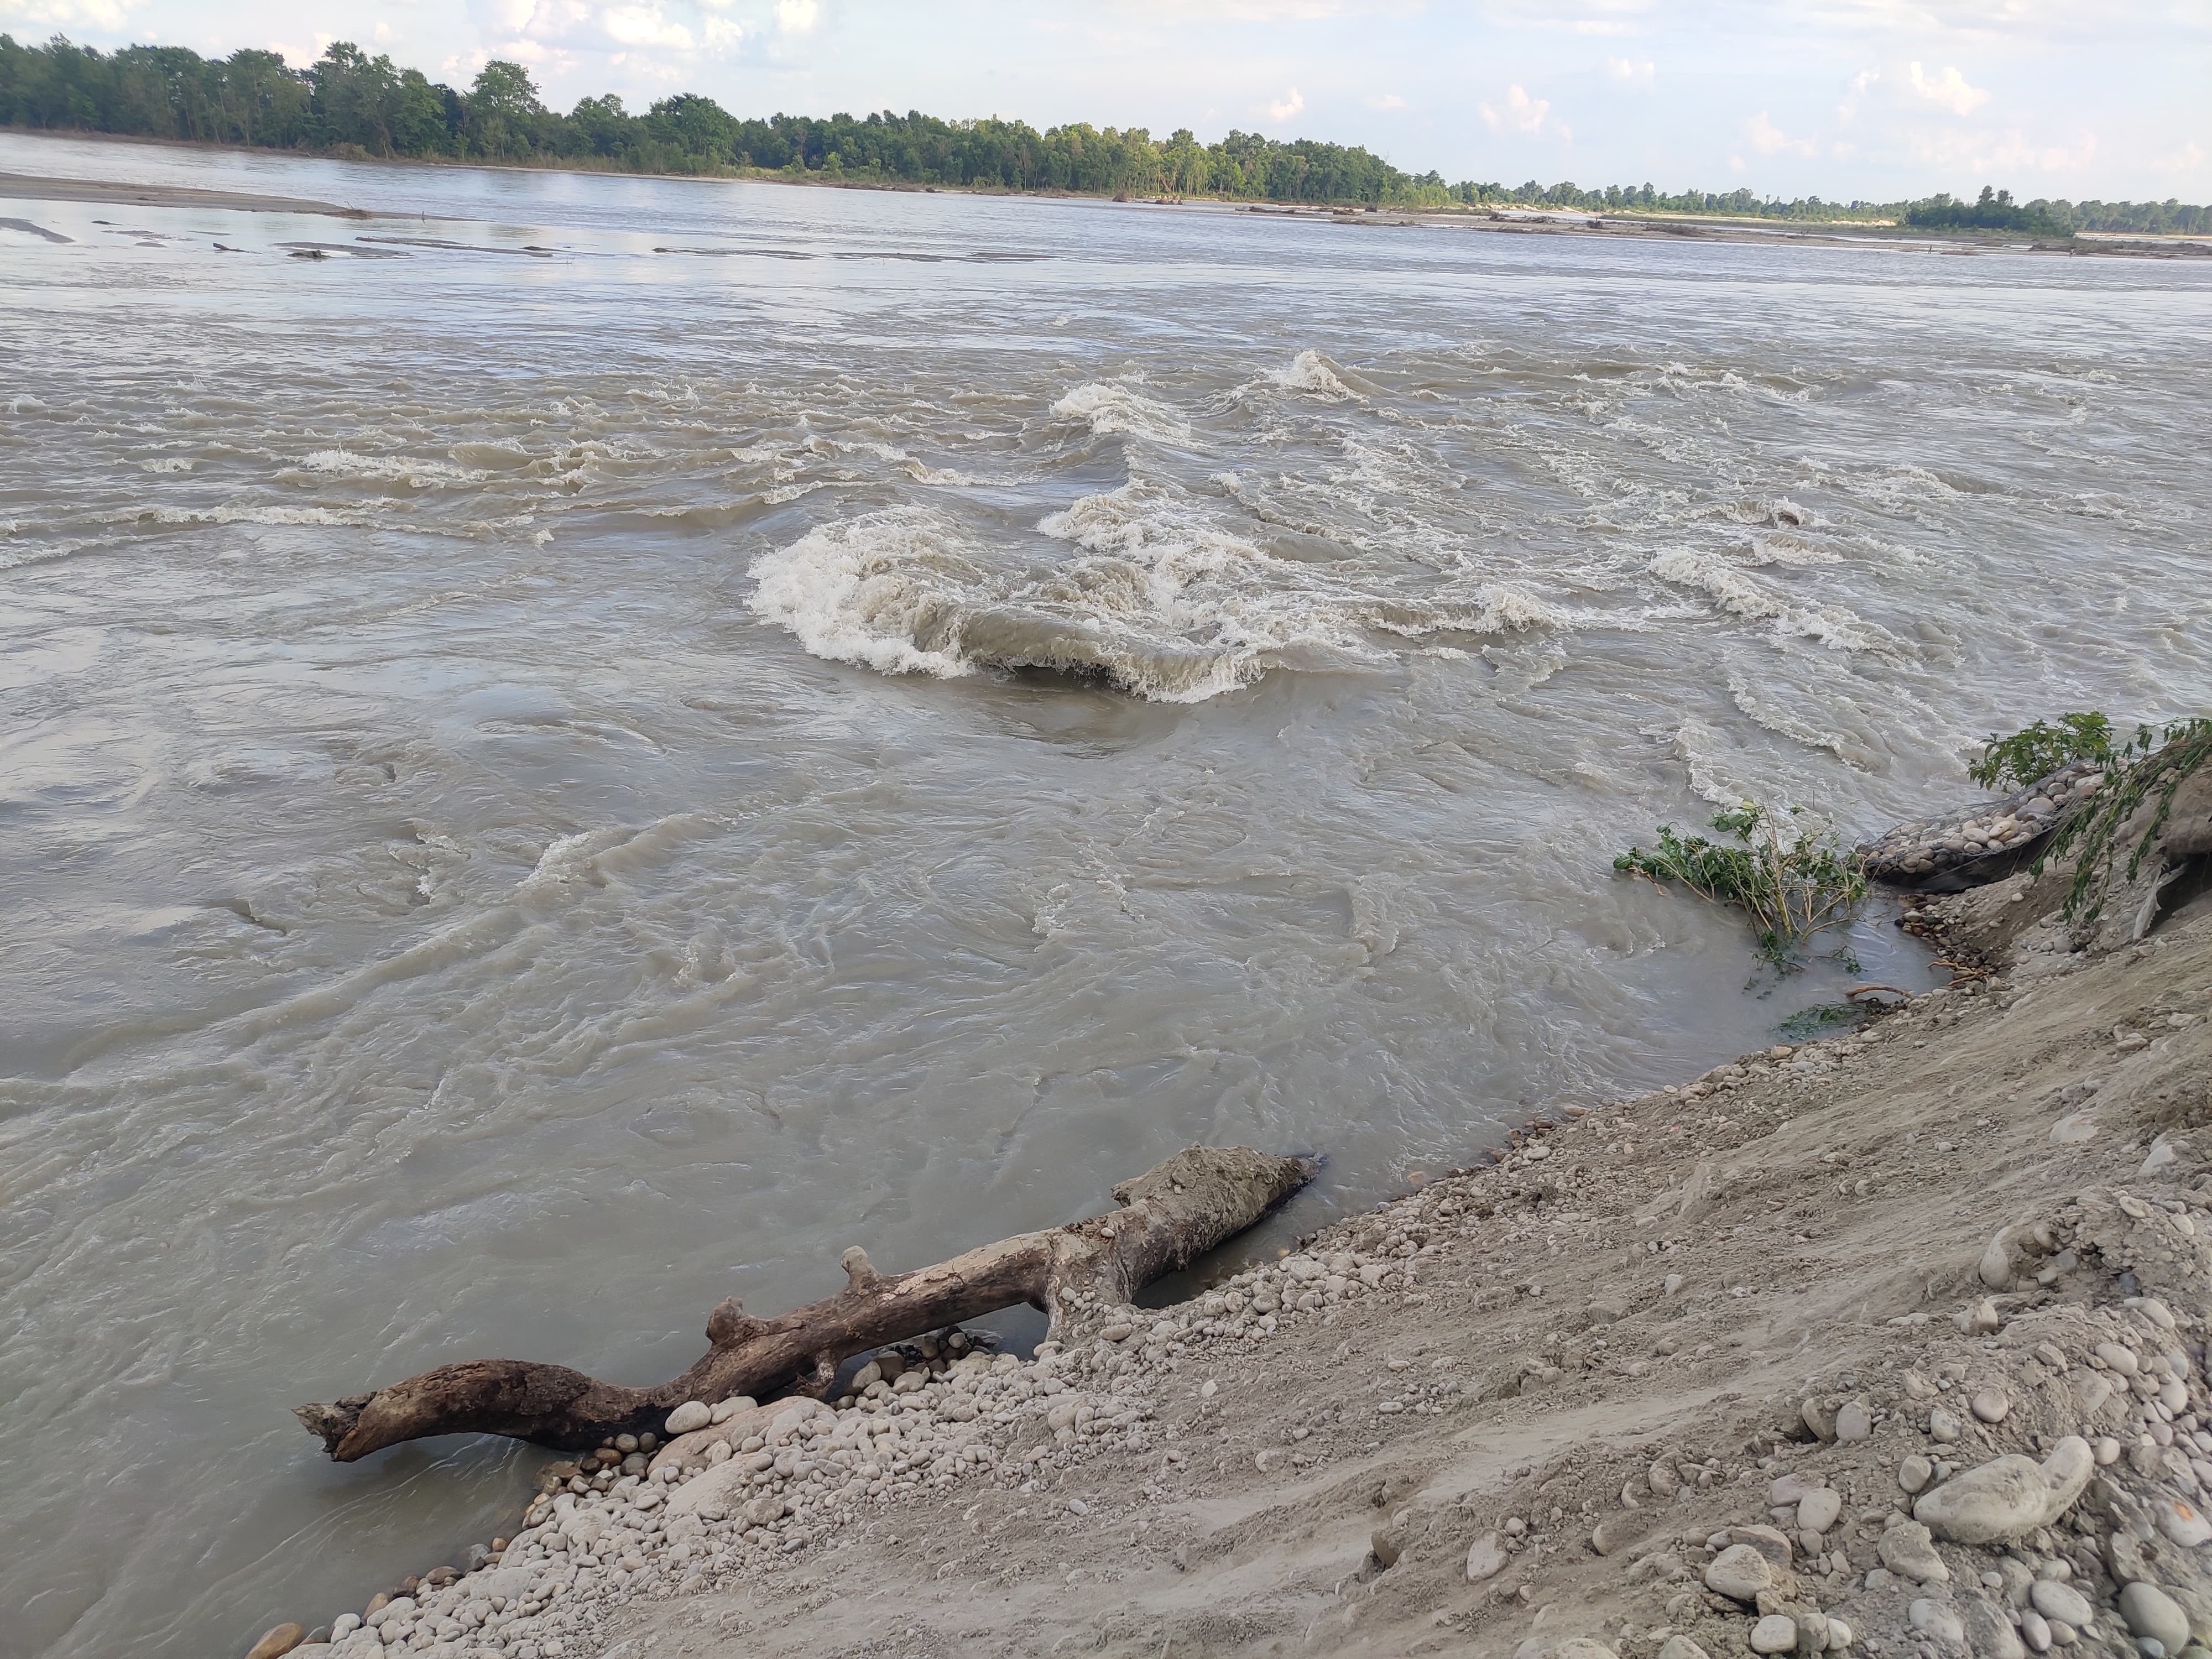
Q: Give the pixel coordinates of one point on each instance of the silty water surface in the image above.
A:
(540, 789)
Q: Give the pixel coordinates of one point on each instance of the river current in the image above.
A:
(609, 739)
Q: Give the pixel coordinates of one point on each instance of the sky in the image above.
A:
(1843, 99)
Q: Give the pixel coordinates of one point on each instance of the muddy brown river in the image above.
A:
(608, 738)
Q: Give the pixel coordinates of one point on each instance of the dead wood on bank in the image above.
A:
(1171, 1215)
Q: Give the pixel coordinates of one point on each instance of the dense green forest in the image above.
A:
(350, 103)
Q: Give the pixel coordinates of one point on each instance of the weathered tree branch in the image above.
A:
(1171, 1215)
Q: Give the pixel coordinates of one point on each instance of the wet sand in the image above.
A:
(27, 187)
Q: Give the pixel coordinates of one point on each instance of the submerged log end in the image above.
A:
(330, 1424)
(860, 1272)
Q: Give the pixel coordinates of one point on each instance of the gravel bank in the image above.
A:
(1889, 1344)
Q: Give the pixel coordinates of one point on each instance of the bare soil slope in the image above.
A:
(1573, 1373)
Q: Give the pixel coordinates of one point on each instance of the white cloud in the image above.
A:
(797, 16)
(1736, 165)
(1522, 112)
(300, 58)
(1769, 140)
(644, 26)
(2014, 151)
(1631, 72)
(1948, 90)
(1284, 108)
(107, 14)
(2187, 159)
(1389, 101)
(2018, 151)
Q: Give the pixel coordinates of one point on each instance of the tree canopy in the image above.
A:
(350, 103)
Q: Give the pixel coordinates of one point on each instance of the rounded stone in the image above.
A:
(2060, 1603)
(1776, 1633)
(1915, 1473)
(1936, 1619)
(2150, 1612)
(1741, 1572)
(1905, 1548)
(1989, 1634)
(1485, 1558)
(1990, 1405)
(2182, 1522)
(1818, 1510)
(277, 1641)
(691, 1414)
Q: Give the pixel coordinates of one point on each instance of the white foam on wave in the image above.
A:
(1720, 770)
(1110, 406)
(590, 857)
(1149, 596)
(1155, 601)
(943, 477)
(861, 592)
(233, 515)
(1494, 608)
(1770, 711)
(1784, 549)
(1315, 375)
(1726, 583)
(412, 471)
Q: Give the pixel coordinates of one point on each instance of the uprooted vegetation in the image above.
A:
(1792, 879)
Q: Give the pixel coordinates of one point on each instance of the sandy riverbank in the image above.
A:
(1676, 1369)
(27, 187)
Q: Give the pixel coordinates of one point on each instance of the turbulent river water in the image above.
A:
(611, 738)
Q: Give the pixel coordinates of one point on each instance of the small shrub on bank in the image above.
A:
(2153, 765)
(2019, 760)
(1793, 883)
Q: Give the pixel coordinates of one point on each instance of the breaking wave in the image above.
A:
(409, 470)
(1108, 406)
(1148, 598)
(1728, 586)
(1314, 375)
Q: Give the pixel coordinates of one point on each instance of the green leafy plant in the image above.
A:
(2154, 762)
(1794, 883)
(1822, 1020)
(2041, 750)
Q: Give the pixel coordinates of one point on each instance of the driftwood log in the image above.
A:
(1169, 1216)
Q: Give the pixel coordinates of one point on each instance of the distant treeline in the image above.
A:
(1996, 210)
(348, 102)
